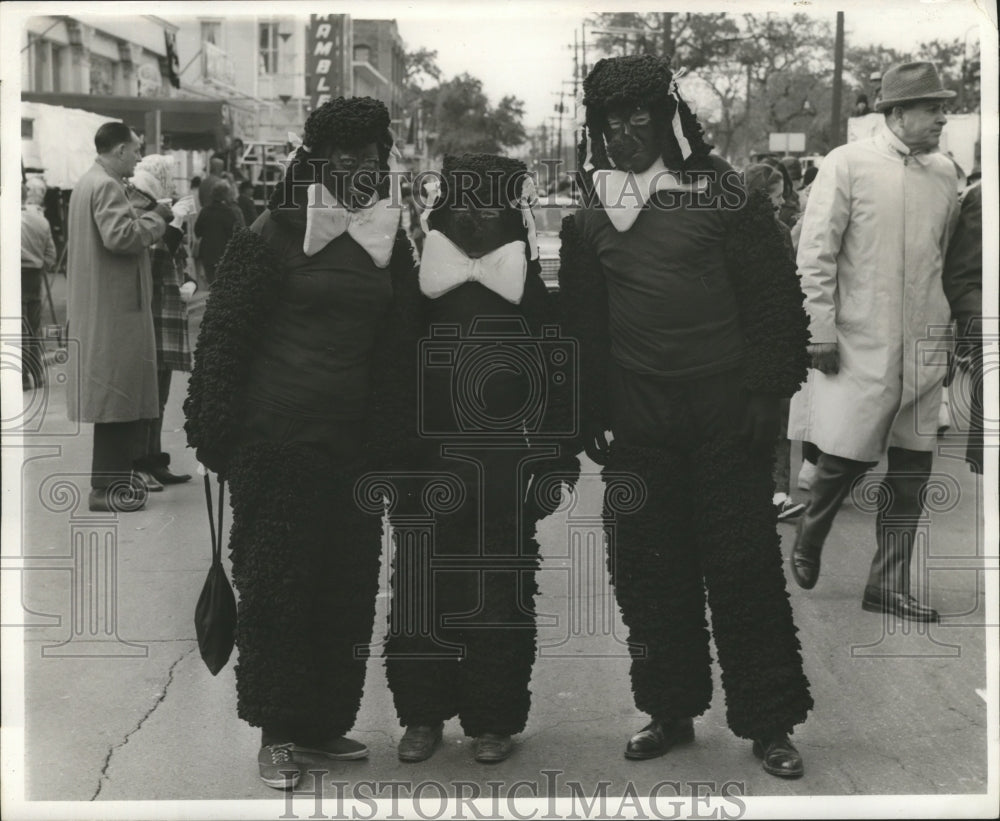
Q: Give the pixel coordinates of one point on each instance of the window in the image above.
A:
(57, 67)
(268, 48)
(27, 129)
(211, 32)
(102, 76)
(362, 54)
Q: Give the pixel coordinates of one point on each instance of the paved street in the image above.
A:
(120, 706)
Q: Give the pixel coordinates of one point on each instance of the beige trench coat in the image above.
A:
(112, 374)
(874, 236)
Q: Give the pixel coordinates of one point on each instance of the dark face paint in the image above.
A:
(477, 231)
(354, 173)
(632, 138)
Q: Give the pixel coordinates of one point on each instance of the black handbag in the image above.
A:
(215, 613)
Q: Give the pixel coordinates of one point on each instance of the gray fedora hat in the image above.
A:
(907, 82)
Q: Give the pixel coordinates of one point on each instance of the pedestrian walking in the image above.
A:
(305, 380)
(245, 201)
(214, 227)
(216, 169)
(154, 177)
(112, 382)
(870, 257)
(767, 179)
(38, 255)
(963, 285)
(690, 328)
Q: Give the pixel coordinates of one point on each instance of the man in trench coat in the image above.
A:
(873, 243)
(112, 382)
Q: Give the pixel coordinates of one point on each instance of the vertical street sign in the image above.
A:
(328, 58)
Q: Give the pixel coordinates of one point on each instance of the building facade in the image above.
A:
(106, 56)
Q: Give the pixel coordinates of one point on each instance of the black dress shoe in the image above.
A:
(657, 737)
(779, 756)
(119, 497)
(158, 466)
(805, 570)
(898, 604)
(418, 742)
(805, 562)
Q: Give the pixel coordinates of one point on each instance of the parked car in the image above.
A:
(549, 215)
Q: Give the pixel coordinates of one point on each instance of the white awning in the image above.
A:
(61, 143)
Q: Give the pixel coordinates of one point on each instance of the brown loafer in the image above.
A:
(657, 737)
(419, 742)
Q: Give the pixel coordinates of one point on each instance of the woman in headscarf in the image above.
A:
(154, 180)
(303, 382)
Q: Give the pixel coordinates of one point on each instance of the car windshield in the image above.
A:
(549, 217)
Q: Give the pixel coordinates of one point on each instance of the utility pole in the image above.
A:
(667, 49)
(838, 72)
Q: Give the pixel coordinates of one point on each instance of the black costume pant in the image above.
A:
(306, 563)
(703, 520)
(895, 523)
(462, 624)
(32, 353)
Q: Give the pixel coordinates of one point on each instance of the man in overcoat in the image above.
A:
(872, 248)
(112, 382)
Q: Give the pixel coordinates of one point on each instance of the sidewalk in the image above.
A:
(120, 706)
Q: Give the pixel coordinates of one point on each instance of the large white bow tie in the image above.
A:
(625, 193)
(373, 227)
(444, 266)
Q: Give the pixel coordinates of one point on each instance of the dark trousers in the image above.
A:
(895, 523)
(116, 446)
(154, 444)
(699, 518)
(32, 353)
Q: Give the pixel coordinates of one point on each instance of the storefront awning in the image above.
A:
(190, 124)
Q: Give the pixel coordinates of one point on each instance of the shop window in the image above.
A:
(102, 76)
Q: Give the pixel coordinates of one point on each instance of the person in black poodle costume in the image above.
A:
(303, 381)
(688, 313)
(486, 432)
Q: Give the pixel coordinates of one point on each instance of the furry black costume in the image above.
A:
(265, 409)
(462, 628)
(675, 406)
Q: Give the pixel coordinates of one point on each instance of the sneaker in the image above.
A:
(341, 749)
(276, 763)
(806, 475)
(787, 509)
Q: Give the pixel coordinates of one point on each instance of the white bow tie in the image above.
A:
(625, 193)
(444, 266)
(373, 228)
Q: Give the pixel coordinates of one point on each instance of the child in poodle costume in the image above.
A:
(462, 632)
(303, 382)
(688, 313)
